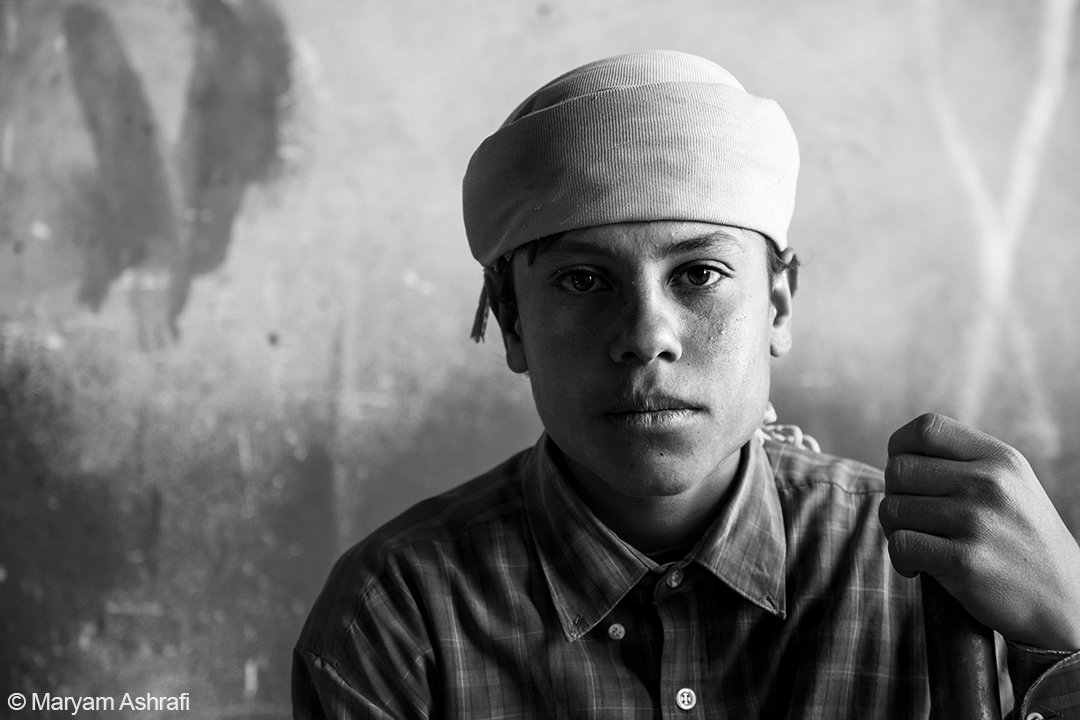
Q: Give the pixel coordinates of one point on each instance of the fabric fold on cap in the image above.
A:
(659, 135)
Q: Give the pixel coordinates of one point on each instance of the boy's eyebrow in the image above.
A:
(717, 239)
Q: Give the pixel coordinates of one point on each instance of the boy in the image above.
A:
(657, 553)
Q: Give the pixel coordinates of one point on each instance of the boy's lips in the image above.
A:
(658, 419)
(649, 402)
(651, 410)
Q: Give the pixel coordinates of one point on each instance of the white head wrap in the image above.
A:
(659, 135)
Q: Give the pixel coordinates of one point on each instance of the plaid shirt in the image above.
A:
(507, 598)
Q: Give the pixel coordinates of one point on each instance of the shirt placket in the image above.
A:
(680, 677)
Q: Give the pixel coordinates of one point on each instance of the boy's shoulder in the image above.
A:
(441, 526)
(799, 469)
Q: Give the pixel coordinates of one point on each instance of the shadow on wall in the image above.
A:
(63, 535)
(134, 216)
(191, 564)
(180, 570)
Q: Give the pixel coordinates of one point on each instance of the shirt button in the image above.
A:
(616, 631)
(674, 579)
(686, 699)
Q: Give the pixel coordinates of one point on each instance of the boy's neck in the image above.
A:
(655, 525)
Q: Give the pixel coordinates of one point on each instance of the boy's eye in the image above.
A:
(580, 281)
(699, 276)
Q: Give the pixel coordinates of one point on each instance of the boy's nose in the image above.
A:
(649, 328)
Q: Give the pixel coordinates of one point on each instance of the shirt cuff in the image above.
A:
(1046, 682)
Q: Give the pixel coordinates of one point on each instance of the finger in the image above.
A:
(941, 436)
(914, 552)
(909, 474)
(941, 517)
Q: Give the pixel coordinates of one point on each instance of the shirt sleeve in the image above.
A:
(320, 693)
(1046, 683)
(377, 688)
(364, 652)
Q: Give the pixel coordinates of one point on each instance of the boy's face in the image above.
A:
(648, 348)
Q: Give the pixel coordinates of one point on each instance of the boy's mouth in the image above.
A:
(651, 409)
(643, 419)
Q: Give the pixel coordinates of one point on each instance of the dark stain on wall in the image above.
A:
(138, 221)
(230, 138)
(232, 124)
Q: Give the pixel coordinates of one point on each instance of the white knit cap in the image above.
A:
(659, 135)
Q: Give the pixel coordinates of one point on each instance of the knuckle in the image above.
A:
(962, 563)
(1014, 460)
(986, 524)
(967, 563)
(992, 491)
(967, 519)
(992, 486)
(890, 469)
(896, 468)
(887, 513)
(984, 517)
(897, 464)
(895, 546)
(928, 424)
(899, 549)
(900, 554)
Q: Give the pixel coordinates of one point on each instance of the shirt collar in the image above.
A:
(589, 569)
(746, 546)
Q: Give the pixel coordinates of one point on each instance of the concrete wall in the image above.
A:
(235, 293)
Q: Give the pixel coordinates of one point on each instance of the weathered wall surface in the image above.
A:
(235, 293)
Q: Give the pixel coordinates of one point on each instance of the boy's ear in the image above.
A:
(783, 290)
(505, 312)
(792, 261)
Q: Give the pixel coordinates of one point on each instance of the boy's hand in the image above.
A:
(967, 509)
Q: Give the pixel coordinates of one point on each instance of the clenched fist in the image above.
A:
(967, 509)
